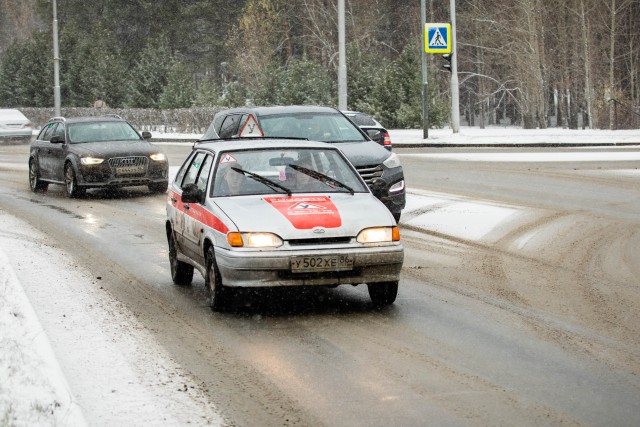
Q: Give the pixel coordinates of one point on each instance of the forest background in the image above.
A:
(534, 63)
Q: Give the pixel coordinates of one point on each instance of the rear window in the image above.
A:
(362, 119)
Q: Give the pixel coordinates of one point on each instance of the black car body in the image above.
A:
(371, 126)
(380, 168)
(89, 152)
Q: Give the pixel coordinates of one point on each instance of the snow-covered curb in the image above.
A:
(33, 390)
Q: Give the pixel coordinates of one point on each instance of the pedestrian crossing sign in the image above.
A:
(437, 38)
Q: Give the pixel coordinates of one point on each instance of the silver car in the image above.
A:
(274, 212)
(15, 126)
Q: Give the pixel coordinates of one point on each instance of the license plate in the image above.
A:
(301, 264)
(128, 170)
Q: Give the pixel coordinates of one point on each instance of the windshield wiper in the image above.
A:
(266, 181)
(322, 177)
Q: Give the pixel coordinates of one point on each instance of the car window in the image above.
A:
(203, 176)
(229, 127)
(47, 132)
(325, 127)
(59, 130)
(193, 170)
(276, 165)
(101, 131)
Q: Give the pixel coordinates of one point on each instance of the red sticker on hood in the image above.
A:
(307, 212)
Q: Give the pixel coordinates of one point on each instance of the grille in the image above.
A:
(321, 241)
(121, 162)
(369, 173)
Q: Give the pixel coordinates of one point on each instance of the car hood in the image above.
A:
(306, 216)
(116, 148)
(364, 153)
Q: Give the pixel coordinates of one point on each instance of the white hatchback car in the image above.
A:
(15, 126)
(275, 212)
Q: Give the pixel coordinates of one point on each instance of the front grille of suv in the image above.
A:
(369, 173)
(119, 162)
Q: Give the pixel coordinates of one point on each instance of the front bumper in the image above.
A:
(272, 268)
(102, 176)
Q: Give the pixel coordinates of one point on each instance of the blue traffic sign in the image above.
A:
(437, 38)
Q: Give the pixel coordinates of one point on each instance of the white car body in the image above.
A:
(317, 233)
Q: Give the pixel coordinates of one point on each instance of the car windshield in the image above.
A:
(324, 127)
(101, 131)
(284, 171)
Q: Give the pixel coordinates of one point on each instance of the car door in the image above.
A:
(194, 213)
(57, 152)
(42, 148)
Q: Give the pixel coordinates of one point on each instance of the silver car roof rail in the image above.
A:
(60, 118)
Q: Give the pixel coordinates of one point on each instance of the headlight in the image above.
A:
(393, 161)
(379, 235)
(158, 157)
(254, 240)
(398, 186)
(91, 160)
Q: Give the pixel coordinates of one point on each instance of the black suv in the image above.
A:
(380, 168)
(85, 152)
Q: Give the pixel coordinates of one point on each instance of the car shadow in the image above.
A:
(312, 300)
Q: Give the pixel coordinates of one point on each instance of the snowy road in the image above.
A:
(518, 305)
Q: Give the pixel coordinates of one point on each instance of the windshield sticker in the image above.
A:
(227, 158)
(307, 212)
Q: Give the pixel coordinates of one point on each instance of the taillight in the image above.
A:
(28, 125)
(387, 139)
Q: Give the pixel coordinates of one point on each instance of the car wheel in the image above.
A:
(71, 182)
(158, 187)
(216, 291)
(36, 184)
(181, 272)
(396, 215)
(383, 293)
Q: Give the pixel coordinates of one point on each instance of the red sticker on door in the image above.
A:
(307, 212)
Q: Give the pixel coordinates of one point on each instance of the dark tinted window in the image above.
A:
(47, 132)
(362, 119)
(229, 127)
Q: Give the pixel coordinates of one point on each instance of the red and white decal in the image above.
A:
(227, 158)
(251, 128)
(308, 211)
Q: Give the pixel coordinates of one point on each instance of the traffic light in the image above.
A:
(447, 65)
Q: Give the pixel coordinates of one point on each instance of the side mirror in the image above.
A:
(192, 194)
(58, 139)
(146, 135)
(379, 188)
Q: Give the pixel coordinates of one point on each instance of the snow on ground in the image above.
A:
(127, 379)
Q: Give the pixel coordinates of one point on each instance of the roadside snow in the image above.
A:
(112, 373)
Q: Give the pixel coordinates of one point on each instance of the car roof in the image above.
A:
(88, 119)
(257, 143)
(12, 113)
(281, 109)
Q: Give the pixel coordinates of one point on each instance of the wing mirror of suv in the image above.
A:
(58, 139)
(146, 135)
(379, 188)
(192, 194)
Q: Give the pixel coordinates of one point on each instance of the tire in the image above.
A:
(36, 184)
(396, 215)
(383, 293)
(158, 187)
(181, 272)
(71, 182)
(216, 291)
